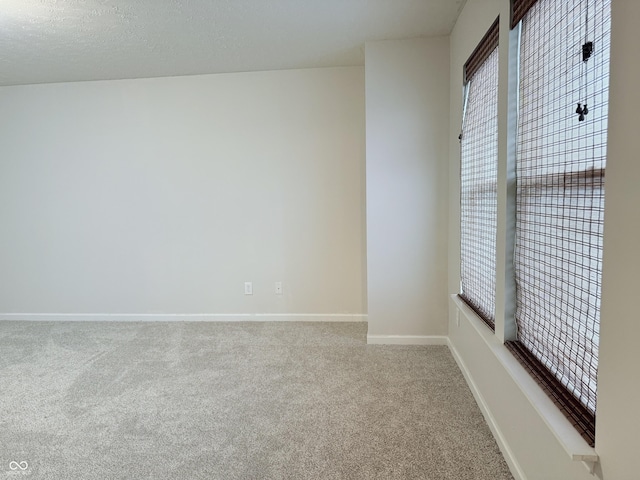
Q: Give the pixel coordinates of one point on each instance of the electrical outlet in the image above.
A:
(278, 288)
(248, 288)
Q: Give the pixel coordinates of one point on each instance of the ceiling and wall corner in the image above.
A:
(46, 41)
(64, 41)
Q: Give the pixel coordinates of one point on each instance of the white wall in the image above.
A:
(533, 435)
(407, 116)
(618, 421)
(165, 195)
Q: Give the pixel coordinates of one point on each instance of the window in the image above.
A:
(560, 168)
(478, 178)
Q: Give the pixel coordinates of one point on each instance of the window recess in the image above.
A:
(560, 170)
(478, 178)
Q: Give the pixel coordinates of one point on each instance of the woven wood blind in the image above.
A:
(478, 186)
(560, 172)
(485, 48)
(519, 9)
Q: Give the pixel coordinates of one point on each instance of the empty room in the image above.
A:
(348, 239)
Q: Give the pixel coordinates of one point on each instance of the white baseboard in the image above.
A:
(508, 455)
(407, 340)
(185, 317)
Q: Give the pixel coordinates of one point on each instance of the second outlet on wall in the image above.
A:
(248, 288)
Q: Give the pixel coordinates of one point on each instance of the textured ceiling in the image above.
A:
(70, 40)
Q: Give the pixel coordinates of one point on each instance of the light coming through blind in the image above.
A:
(478, 195)
(560, 189)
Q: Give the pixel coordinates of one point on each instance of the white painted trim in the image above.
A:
(407, 340)
(508, 455)
(186, 317)
(572, 442)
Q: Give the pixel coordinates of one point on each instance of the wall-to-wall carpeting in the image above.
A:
(233, 401)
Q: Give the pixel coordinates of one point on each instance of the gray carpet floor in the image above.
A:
(233, 401)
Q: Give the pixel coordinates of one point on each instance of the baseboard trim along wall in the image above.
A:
(536, 406)
(509, 457)
(186, 317)
(407, 340)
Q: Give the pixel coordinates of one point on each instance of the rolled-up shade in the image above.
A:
(519, 9)
(485, 48)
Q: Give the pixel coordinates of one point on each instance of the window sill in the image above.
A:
(572, 442)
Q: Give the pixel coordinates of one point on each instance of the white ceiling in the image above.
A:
(45, 41)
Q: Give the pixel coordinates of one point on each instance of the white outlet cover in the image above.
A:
(248, 288)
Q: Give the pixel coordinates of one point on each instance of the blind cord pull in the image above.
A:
(582, 111)
(587, 51)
